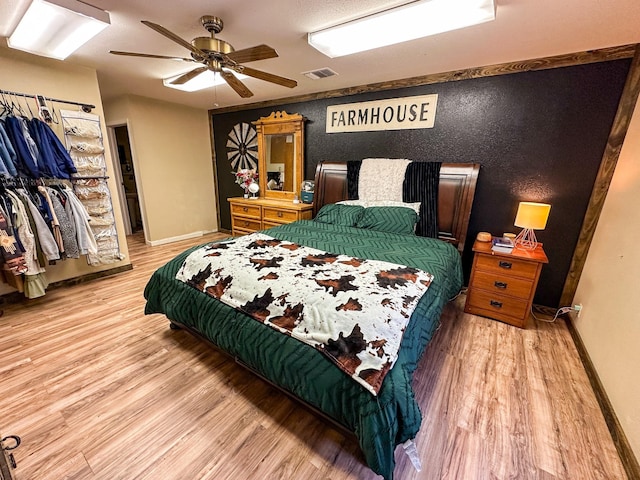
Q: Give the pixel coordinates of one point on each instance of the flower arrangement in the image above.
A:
(246, 177)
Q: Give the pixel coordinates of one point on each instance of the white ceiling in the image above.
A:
(523, 29)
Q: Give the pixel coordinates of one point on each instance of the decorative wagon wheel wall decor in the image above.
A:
(242, 147)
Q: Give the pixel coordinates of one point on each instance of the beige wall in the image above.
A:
(171, 148)
(22, 72)
(609, 324)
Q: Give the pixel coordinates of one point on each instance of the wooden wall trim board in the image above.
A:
(610, 157)
(178, 238)
(214, 163)
(628, 458)
(557, 61)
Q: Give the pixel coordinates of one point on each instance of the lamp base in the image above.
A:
(526, 239)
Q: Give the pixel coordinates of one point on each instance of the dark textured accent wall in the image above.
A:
(538, 136)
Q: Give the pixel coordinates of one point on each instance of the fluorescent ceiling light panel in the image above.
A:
(206, 79)
(407, 22)
(57, 28)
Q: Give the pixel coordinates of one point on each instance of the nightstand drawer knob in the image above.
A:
(501, 285)
(495, 304)
(280, 214)
(506, 265)
(245, 209)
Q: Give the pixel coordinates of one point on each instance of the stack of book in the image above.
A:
(502, 245)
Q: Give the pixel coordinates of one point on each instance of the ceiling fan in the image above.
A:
(218, 56)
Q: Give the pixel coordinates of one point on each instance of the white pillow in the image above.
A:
(382, 203)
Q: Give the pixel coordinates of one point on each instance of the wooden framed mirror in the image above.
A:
(280, 155)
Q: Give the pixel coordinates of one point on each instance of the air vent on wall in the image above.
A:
(320, 73)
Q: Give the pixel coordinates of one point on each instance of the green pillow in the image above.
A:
(346, 215)
(389, 219)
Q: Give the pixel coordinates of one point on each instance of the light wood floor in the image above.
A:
(98, 390)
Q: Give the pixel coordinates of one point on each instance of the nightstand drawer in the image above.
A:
(504, 265)
(278, 215)
(503, 284)
(496, 306)
(245, 210)
(246, 224)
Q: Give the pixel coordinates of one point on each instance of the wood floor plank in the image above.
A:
(98, 390)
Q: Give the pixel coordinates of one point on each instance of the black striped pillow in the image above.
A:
(346, 215)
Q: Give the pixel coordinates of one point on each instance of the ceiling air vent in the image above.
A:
(320, 73)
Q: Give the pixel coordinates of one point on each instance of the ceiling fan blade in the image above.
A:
(172, 36)
(240, 88)
(268, 77)
(182, 79)
(147, 55)
(252, 54)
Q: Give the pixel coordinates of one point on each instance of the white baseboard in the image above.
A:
(187, 236)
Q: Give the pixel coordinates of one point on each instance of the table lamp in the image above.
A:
(531, 216)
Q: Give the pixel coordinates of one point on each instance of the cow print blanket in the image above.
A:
(353, 310)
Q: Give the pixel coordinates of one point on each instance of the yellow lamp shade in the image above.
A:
(532, 215)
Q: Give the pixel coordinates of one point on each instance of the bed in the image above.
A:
(379, 421)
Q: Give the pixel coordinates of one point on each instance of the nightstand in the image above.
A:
(502, 285)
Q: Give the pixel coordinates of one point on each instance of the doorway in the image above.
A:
(125, 160)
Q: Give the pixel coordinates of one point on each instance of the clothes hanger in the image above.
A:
(23, 112)
(28, 107)
(4, 103)
(16, 108)
(54, 114)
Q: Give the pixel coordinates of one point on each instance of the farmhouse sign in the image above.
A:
(392, 114)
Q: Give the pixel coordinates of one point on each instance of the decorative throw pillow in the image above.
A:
(389, 219)
(346, 215)
(382, 203)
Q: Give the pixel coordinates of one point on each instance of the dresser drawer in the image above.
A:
(508, 266)
(508, 309)
(503, 284)
(246, 210)
(278, 215)
(246, 224)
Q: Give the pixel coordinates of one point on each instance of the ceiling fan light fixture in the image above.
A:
(206, 79)
(57, 28)
(406, 22)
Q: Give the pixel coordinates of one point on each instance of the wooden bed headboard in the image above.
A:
(455, 195)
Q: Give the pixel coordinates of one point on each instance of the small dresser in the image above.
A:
(248, 216)
(502, 285)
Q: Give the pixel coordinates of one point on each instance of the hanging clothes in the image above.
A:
(86, 241)
(45, 166)
(7, 208)
(35, 281)
(41, 226)
(55, 158)
(27, 164)
(47, 241)
(7, 152)
(10, 253)
(67, 226)
(54, 224)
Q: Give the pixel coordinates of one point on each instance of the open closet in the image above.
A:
(55, 203)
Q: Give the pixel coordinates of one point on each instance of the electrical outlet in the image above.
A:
(578, 309)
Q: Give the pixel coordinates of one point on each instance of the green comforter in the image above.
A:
(381, 423)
